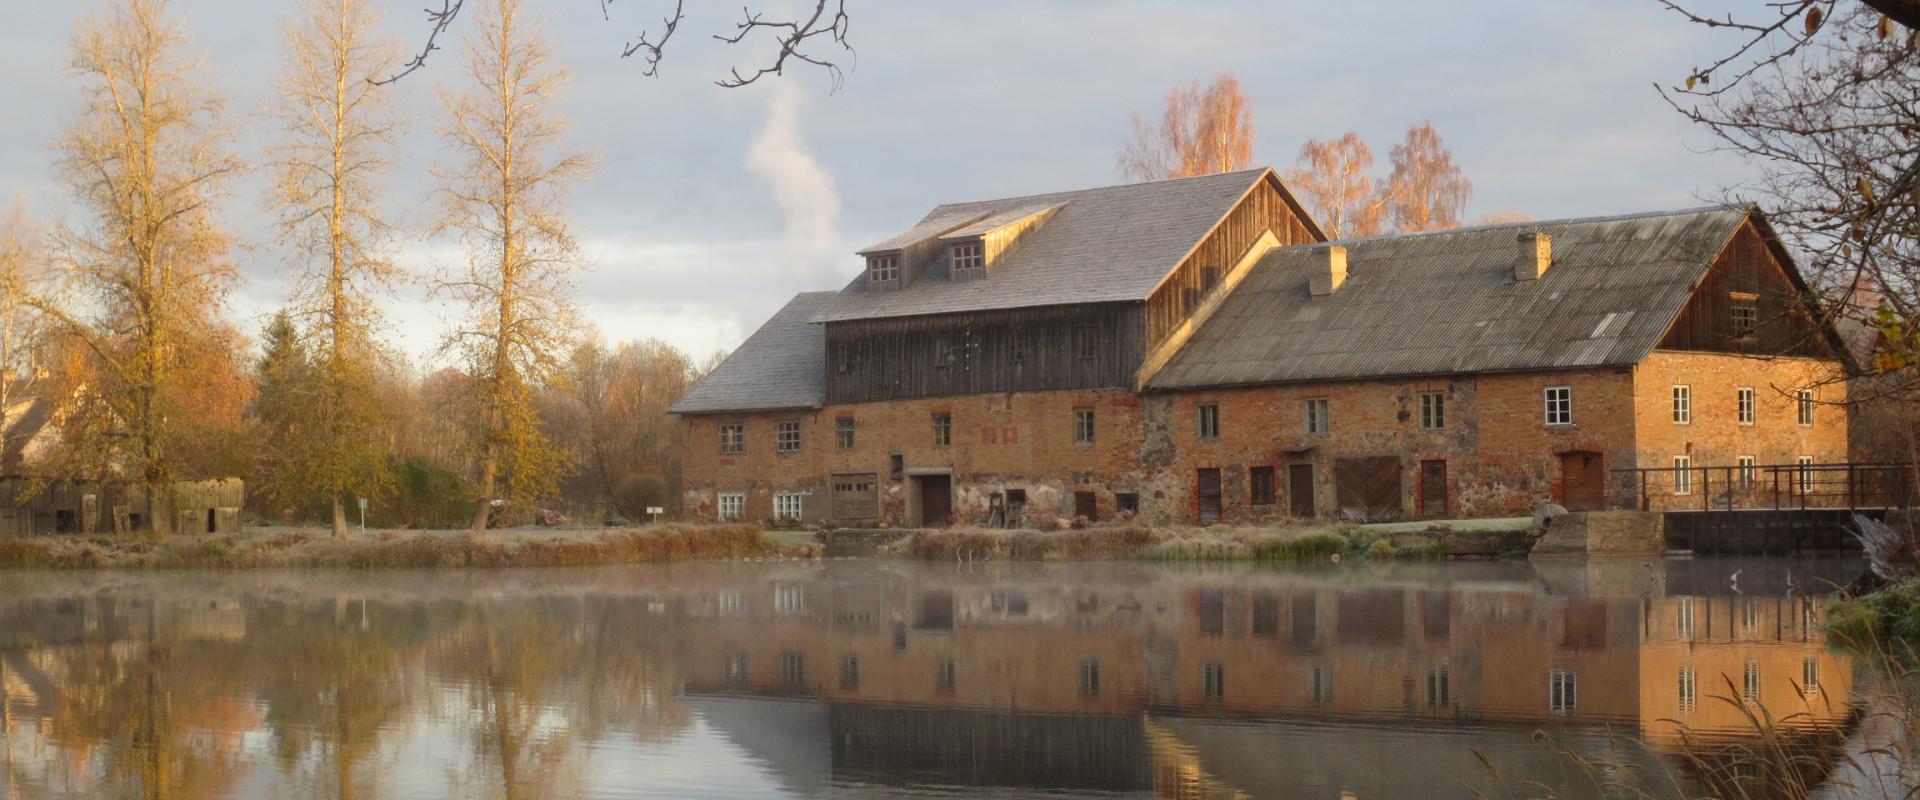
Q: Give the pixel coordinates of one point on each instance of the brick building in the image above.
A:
(1192, 350)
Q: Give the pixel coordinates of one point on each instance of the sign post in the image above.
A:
(655, 512)
(363, 516)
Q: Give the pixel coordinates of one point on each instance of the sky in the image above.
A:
(710, 207)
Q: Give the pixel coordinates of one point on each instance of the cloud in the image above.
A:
(781, 159)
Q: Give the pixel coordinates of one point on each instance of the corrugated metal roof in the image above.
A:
(1109, 244)
(782, 365)
(1446, 303)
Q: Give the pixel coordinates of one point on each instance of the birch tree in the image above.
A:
(1426, 190)
(338, 130)
(1336, 175)
(22, 271)
(1202, 131)
(505, 201)
(147, 269)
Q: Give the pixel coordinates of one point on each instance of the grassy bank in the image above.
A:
(311, 548)
(1164, 544)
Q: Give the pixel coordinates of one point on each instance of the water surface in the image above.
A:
(890, 679)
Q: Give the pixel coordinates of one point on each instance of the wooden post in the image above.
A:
(1645, 502)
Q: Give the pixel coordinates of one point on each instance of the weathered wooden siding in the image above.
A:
(893, 358)
(1747, 266)
(1263, 209)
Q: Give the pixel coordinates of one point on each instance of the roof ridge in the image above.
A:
(1537, 223)
(1010, 198)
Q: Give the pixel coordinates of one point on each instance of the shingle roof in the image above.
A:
(1109, 244)
(782, 365)
(1447, 302)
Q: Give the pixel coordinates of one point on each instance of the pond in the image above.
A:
(864, 678)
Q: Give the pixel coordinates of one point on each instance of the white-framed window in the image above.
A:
(1206, 421)
(1745, 314)
(1433, 411)
(733, 438)
(1322, 685)
(1437, 688)
(1083, 426)
(1213, 680)
(1805, 398)
(881, 269)
(1559, 405)
(1806, 473)
(1749, 467)
(788, 505)
(1689, 689)
(732, 603)
(1750, 682)
(1683, 475)
(1319, 417)
(1683, 618)
(968, 258)
(789, 598)
(944, 675)
(733, 506)
(1563, 691)
(736, 667)
(1810, 676)
(843, 429)
(793, 668)
(1089, 677)
(942, 429)
(1682, 405)
(786, 436)
(1746, 405)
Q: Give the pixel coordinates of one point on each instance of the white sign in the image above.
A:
(656, 510)
(363, 504)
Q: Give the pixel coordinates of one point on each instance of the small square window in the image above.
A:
(733, 438)
(843, 433)
(1805, 398)
(1083, 426)
(733, 506)
(1433, 411)
(896, 466)
(1746, 405)
(1682, 405)
(1260, 487)
(1126, 502)
(968, 258)
(881, 269)
(1318, 421)
(786, 436)
(1207, 421)
(1559, 402)
(942, 430)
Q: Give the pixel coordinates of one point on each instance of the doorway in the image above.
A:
(1583, 481)
(1300, 489)
(1209, 495)
(1433, 488)
(936, 500)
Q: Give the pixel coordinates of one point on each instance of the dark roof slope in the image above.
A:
(1446, 302)
(1113, 243)
(782, 365)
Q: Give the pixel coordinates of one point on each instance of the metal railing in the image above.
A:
(1776, 487)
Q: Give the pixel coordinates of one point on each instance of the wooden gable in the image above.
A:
(1749, 302)
(1267, 207)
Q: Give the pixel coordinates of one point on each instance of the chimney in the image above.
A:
(1535, 254)
(1329, 270)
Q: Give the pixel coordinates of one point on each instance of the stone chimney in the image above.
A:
(1535, 254)
(1329, 269)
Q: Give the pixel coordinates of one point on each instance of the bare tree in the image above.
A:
(1425, 190)
(1336, 177)
(1202, 131)
(338, 138)
(146, 159)
(792, 39)
(505, 200)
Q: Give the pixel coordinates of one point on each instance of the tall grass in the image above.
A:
(1127, 542)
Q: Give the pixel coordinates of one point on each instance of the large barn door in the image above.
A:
(1209, 495)
(1368, 488)
(854, 498)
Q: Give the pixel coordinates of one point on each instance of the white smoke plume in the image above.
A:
(779, 157)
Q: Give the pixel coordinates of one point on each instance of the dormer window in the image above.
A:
(969, 259)
(883, 269)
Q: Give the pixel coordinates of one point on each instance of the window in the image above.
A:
(843, 433)
(1089, 677)
(1806, 473)
(1322, 685)
(1317, 420)
(736, 667)
(1433, 411)
(1689, 689)
(789, 598)
(1207, 421)
(1559, 405)
(1750, 682)
(793, 668)
(732, 603)
(1682, 405)
(1683, 618)
(883, 268)
(1083, 426)
(942, 430)
(1437, 688)
(1682, 475)
(786, 436)
(787, 505)
(943, 675)
(843, 356)
(1563, 691)
(943, 352)
(733, 506)
(896, 466)
(968, 258)
(1746, 405)
(733, 438)
(1810, 676)
(1213, 680)
(1126, 502)
(849, 672)
(1086, 343)
(1806, 407)
(1017, 350)
(1260, 486)
(1745, 309)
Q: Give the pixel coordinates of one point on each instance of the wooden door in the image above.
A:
(1367, 488)
(936, 501)
(1433, 488)
(1583, 481)
(1085, 505)
(855, 498)
(1300, 489)
(1209, 495)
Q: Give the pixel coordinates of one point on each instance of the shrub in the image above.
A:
(1886, 621)
(1380, 550)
